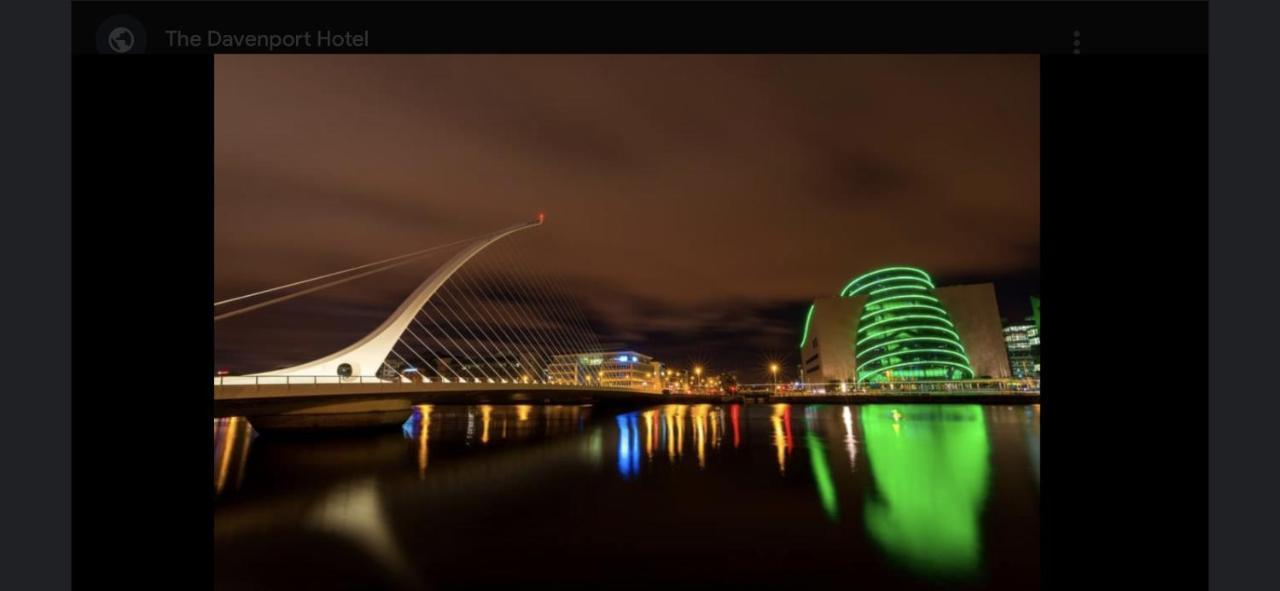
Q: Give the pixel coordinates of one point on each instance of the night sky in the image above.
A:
(695, 204)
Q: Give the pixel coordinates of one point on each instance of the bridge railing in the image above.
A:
(991, 386)
(321, 380)
(316, 380)
(1000, 386)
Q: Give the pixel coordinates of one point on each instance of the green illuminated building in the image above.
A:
(904, 332)
(895, 324)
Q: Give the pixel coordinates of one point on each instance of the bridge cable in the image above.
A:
(483, 309)
(512, 329)
(535, 349)
(410, 255)
(299, 294)
(453, 356)
(449, 364)
(456, 337)
(410, 365)
(435, 367)
(524, 358)
(560, 346)
(468, 325)
(488, 326)
(394, 370)
(564, 311)
(520, 290)
(531, 282)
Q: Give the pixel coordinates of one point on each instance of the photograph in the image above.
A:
(602, 320)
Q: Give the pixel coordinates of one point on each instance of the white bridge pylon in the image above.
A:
(366, 356)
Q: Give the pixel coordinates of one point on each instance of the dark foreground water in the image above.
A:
(866, 497)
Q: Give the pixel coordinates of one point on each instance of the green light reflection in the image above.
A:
(930, 465)
(822, 475)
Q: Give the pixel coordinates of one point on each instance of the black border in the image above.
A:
(1124, 249)
(142, 254)
(695, 26)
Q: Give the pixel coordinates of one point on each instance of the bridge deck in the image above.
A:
(391, 398)
(321, 406)
(530, 391)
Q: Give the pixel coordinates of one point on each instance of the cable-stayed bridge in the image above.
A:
(480, 326)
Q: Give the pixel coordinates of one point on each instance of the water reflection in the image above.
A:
(734, 411)
(850, 446)
(781, 420)
(651, 432)
(628, 445)
(505, 479)
(355, 511)
(231, 439)
(818, 465)
(930, 468)
(668, 434)
(496, 423)
(418, 428)
(677, 416)
(699, 415)
(1031, 428)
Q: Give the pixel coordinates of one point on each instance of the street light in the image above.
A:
(697, 371)
(773, 368)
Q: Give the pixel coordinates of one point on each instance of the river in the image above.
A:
(908, 496)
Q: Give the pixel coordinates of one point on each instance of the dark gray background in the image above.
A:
(1242, 214)
(1241, 217)
(35, 500)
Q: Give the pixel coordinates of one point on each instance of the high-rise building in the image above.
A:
(894, 324)
(1023, 360)
(1022, 340)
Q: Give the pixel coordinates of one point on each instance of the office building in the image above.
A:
(621, 369)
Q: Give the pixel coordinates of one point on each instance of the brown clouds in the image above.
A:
(673, 185)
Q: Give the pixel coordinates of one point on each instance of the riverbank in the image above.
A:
(353, 411)
(985, 399)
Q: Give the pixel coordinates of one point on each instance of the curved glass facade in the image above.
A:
(904, 332)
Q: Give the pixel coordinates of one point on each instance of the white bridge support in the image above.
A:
(366, 356)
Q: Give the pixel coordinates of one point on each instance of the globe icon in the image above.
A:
(120, 39)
